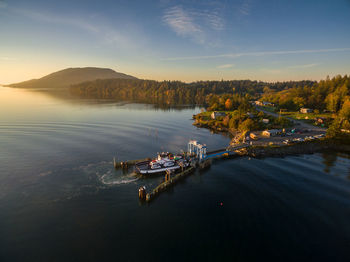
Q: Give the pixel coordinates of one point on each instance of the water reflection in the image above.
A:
(65, 96)
(329, 160)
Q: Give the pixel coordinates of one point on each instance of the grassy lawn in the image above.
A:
(268, 108)
(298, 115)
(308, 118)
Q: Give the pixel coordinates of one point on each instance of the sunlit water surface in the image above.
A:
(62, 200)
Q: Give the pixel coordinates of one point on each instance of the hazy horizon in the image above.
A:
(177, 40)
(258, 80)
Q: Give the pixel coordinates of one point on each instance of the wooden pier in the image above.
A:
(168, 183)
(128, 163)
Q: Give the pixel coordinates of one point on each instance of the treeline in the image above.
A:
(228, 102)
(329, 94)
(176, 92)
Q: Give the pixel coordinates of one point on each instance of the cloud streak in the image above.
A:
(225, 66)
(3, 4)
(6, 58)
(109, 35)
(303, 66)
(264, 53)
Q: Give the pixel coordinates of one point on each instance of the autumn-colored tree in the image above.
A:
(247, 125)
(342, 121)
(228, 104)
(226, 120)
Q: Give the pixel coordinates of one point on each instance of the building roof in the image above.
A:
(273, 131)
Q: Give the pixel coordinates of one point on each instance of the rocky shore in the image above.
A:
(295, 149)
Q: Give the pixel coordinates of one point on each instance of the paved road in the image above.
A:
(278, 140)
(298, 123)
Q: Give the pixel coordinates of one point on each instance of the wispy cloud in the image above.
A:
(245, 7)
(211, 18)
(182, 23)
(3, 4)
(264, 53)
(225, 66)
(6, 58)
(303, 66)
(271, 71)
(51, 18)
(104, 32)
(192, 23)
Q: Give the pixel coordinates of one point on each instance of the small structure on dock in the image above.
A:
(197, 157)
(200, 150)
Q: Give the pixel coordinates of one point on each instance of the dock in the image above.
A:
(198, 157)
(128, 163)
(168, 183)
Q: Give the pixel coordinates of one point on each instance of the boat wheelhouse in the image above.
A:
(164, 162)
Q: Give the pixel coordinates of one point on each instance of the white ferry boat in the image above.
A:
(163, 163)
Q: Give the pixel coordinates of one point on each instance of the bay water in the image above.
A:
(62, 200)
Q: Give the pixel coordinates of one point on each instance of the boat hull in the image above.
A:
(158, 170)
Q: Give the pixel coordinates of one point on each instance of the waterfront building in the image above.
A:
(272, 132)
(216, 114)
(304, 110)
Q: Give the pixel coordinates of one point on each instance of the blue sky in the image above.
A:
(177, 40)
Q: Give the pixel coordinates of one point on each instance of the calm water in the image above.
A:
(61, 200)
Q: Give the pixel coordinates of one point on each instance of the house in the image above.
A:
(258, 103)
(250, 115)
(266, 120)
(268, 104)
(305, 110)
(272, 132)
(216, 114)
(253, 136)
(320, 120)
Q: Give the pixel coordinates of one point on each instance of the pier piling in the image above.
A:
(168, 183)
(129, 163)
(142, 193)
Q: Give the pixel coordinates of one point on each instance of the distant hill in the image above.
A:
(71, 76)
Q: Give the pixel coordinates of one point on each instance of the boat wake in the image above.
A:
(110, 178)
(107, 175)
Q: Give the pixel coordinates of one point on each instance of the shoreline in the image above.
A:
(309, 147)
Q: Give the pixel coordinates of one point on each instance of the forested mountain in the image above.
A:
(175, 92)
(70, 76)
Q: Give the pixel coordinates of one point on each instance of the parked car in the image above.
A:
(319, 136)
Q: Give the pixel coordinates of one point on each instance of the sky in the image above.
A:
(189, 40)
